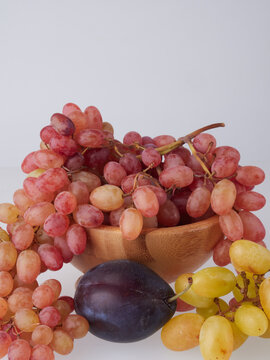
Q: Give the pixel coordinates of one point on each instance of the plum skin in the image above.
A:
(124, 301)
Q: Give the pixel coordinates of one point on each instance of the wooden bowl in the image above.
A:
(168, 251)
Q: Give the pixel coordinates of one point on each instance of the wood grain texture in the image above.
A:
(168, 251)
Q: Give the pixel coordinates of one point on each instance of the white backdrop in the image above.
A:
(158, 67)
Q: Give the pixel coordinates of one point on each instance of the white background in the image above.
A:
(158, 67)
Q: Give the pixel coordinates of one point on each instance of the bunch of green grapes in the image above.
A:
(219, 327)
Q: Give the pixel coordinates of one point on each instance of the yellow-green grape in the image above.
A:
(182, 332)
(36, 173)
(250, 257)
(264, 293)
(251, 287)
(8, 213)
(4, 235)
(216, 338)
(213, 282)
(238, 336)
(190, 297)
(213, 309)
(266, 335)
(251, 320)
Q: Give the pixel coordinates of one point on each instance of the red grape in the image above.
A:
(51, 256)
(76, 239)
(62, 124)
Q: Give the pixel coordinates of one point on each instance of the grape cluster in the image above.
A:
(82, 177)
(217, 326)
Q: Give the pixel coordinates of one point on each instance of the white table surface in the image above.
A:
(152, 348)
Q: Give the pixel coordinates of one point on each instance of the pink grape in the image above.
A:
(106, 126)
(91, 138)
(178, 176)
(194, 164)
(51, 257)
(224, 167)
(147, 140)
(21, 298)
(56, 224)
(160, 193)
(46, 159)
(26, 320)
(79, 119)
(180, 198)
(68, 300)
(204, 142)
(49, 316)
(114, 173)
(3, 308)
(198, 202)
(250, 175)
(231, 225)
(62, 124)
(56, 287)
(199, 182)
(130, 163)
(63, 307)
(132, 137)
(75, 162)
(131, 224)
(62, 343)
(221, 254)
(76, 239)
(76, 326)
(21, 200)
(23, 236)
(127, 182)
(28, 266)
(63, 145)
(228, 152)
(69, 108)
(151, 157)
(32, 190)
(80, 190)
(88, 216)
(115, 216)
(223, 197)
(42, 335)
(94, 119)
(52, 180)
(47, 133)
(65, 203)
(8, 213)
(162, 140)
(250, 201)
(42, 237)
(107, 197)
(172, 160)
(19, 350)
(146, 201)
(38, 213)
(29, 163)
(6, 283)
(183, 152)
(254, 229)
(8, 256)
(61, 244)
(43, 352)
(150, 222)
(97, 158)
(43, 296)
(5, 342)
(91, 180)
(168, 214)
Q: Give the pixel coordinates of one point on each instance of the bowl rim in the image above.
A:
(170, 229)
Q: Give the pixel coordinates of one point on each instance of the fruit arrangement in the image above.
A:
(82, 178)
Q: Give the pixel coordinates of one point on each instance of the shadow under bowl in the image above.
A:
(168, 251)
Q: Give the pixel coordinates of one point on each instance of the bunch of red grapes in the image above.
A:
(82, 177)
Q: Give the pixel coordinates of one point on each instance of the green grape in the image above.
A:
(251, 320)
(190, 297)
(266, 335)
(213, 282)
(264, 293)
(213, 309)
(182, 332)
(216, 338)
(250, 257)
(238, 336)
(251, 287)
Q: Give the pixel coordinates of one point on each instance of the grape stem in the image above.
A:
(176, 296)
